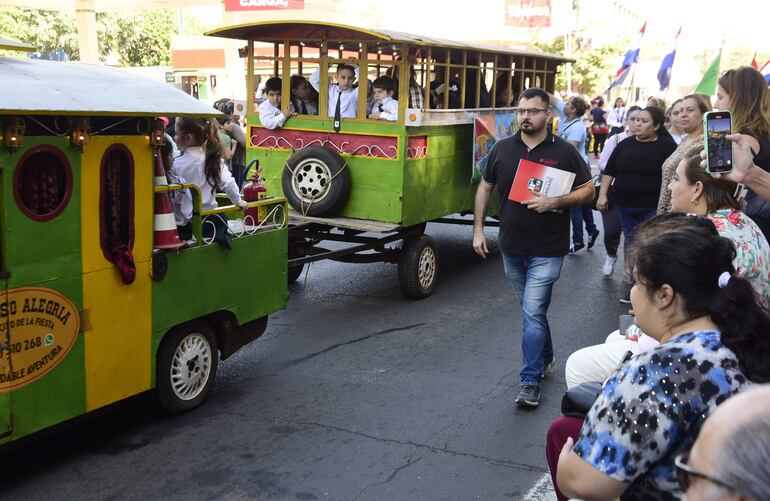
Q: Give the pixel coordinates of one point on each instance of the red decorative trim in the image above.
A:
(349, 144)
(417, 147)
(44, 148)
(103, 198)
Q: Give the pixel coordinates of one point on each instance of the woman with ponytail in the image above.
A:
(201, 163)
(712, 328)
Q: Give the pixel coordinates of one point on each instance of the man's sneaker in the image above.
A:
(592, 238)
(528, 396)
(609, 265)
(576, 247)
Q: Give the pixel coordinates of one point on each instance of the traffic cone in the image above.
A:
(166, 236)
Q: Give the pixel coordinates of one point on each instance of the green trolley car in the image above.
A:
(372, 182)
(92, 308)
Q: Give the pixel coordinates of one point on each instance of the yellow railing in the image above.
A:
(275, 218)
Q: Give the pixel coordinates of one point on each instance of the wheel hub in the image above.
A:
(426, 270)
(311, 180)
(191, 366)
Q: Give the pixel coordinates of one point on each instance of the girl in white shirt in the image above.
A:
(201, 163)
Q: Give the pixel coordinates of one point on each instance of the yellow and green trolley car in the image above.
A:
(92, 311)
(372, 182)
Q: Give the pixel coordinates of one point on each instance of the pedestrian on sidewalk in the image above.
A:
(571, 130)
(534, 235)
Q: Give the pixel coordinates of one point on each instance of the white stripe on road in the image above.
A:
(542, 490)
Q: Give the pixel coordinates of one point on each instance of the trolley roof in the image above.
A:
(14, 45)
(64, 88)
(278, 31)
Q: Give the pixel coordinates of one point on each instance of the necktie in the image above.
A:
(303, 108)
(379, 107)
(337, 114)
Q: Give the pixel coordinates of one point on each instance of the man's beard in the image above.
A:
(531, 131)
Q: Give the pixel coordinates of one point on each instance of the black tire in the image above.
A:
(418, 267)
(294, 273)
(316, 181)
(193, 338)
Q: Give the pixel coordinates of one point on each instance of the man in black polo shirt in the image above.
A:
(534, 235)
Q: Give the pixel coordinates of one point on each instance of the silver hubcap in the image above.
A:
(426, 269)
(311, 180)
(191, 366)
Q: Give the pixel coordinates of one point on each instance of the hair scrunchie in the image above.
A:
(724, 279)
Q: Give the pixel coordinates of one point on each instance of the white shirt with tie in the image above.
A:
(348, 97)
(388, 109)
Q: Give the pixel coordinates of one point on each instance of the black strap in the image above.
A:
(573, 122)
(337, 111)
(303, 108)
(379, 107)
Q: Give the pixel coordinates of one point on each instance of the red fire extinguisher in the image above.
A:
(255, 191)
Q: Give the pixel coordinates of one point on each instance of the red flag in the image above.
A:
(754, 63)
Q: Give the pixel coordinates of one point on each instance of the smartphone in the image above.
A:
(719, 150)
(625, 321)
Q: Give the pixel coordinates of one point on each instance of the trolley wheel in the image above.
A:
(418, 267)
(294, 273)
(316, 181)
(186, 366)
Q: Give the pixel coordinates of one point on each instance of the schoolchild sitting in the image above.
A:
(270, 114)
(385, 108)
(181, 199)
(201, 163)
(303, 97)
(343, 97)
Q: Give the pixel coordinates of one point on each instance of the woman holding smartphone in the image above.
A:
(744, 93)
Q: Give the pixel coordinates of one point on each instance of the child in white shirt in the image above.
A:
(270, 114)
(385, 107)
(343, 91)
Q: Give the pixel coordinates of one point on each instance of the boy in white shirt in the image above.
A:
(341, 94)
(385, 108)
(270, 114)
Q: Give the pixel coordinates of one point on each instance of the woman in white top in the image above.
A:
(201, 163)
(675, 112)
(616, 118)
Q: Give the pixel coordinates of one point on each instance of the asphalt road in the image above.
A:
(353, 393)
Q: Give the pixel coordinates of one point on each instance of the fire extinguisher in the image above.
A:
(255, 191)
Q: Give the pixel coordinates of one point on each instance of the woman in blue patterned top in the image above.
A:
(713, 331)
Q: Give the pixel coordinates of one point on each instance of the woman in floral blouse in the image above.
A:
(712, 329)
(694, 191)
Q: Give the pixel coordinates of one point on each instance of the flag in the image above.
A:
(631, 57)
(754, 63)
(708, 84)
(664, 73)
(765, 70)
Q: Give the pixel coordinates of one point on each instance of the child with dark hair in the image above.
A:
(270, 114)
(201, 163)
(303, 97)
(343, 97)
(385, 107)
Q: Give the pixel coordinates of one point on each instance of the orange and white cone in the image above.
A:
(166, 236)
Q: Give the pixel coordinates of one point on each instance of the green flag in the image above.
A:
(708, 84)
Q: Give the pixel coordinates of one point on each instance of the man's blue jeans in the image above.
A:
(532, 279)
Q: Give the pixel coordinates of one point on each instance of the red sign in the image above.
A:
(231, 5)
(528, 13)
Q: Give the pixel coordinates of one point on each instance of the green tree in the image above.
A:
(592, 67)
(140, 39)
(45, 30)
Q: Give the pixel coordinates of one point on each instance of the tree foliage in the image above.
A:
(45, 30)
(141, 38)
(592, 68)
